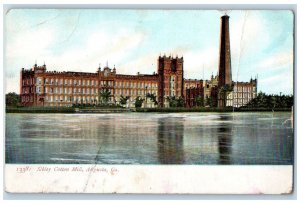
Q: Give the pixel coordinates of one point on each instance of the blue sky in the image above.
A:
(132, 40)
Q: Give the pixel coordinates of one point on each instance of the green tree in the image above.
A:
(199, 100)
(271, 101)
(105, 95)
(175, 102)
(209, 101)
(152, 98)
(42, 100)
(12, 99)
(138, 102)
(123, 100)
(180, 101)
(223, 91)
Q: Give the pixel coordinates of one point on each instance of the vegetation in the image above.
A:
(184, 109)
(175, 101)
(40, 109)
(104, 96)
(138, 102)
(224, 90)
(199, 100)
(96, 106)
(123, 100)
(271, 101)
(209, 101)
(12, 99)
(152, 98)
(207, 109)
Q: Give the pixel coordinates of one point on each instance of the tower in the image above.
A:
(224, 78)
(225, 59)
(170, 78)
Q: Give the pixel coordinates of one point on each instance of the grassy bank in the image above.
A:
(205, 109)
(144, 110)
(40, 110)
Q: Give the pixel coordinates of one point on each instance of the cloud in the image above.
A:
(30, 43)
(277, 61)
(276, 83)
(197, 61)
(135, 48)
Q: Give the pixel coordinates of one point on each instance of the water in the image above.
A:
(139, 138)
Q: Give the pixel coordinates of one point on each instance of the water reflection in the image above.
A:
(196, 138)
(170, 141)
(224, 139)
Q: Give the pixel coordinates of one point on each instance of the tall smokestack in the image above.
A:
(225, 59)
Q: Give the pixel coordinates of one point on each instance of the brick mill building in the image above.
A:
(39, 87)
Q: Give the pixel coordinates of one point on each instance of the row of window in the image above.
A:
(28, 81)
(77, 82)
(134, 92)
(67, 90)
(73, 99)
(128, 84)
(27, 90)
(244, 89)
(95, 83)
(27, 99)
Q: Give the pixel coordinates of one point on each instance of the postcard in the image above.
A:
(149, 101)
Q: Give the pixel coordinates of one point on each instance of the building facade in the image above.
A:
(39, 87)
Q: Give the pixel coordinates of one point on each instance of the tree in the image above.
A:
(12, 99)
(180, 101)
(42, 100)
(199, 100)
(175, 102)
(152, 98)
(209, 101)
(105, 95)
(271, 101)
(223, 91)
(138, 102)
(123, 100)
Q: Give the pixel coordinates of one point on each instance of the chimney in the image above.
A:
(225, 59)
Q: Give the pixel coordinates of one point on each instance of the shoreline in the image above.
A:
(72, 110)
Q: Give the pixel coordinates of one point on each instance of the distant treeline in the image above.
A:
(271, 101)
(263, 102)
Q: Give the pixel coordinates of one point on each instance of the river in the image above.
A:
(150, 138)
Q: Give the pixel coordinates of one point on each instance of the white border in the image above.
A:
(59, 3)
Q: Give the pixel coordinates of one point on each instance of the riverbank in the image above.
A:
(40, 110)
(207, 109)
(143, 110)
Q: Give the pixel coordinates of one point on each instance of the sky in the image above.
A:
(80, 39)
